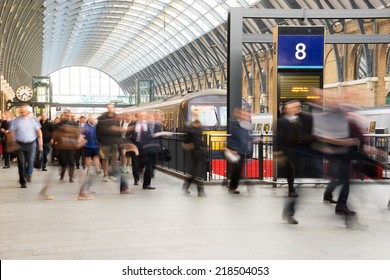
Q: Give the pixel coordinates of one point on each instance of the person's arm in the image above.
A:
(40, 139)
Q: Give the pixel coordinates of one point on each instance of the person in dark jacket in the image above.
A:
(6, 119)
(291, 137)
(238, 144)
(194, 140)
(47, 133)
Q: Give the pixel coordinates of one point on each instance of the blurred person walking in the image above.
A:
(6, 119)
(91, 148)
(47, 134)
(65, 137)
(25, 130)
(292, 137)
(193, 142)
(108, 132)
(238, 145)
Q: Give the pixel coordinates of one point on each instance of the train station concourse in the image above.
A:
(257, 93)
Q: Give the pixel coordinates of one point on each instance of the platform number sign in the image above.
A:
(300, 48)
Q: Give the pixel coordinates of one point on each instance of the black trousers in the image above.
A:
(149, 161)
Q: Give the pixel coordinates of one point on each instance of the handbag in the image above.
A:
(10, 144)
(368, 166)
(164, 155)
(231, 157)
(38, 160)
(68, 137)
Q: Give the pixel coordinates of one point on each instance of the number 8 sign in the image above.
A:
(300, 48)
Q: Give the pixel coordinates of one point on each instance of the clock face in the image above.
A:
(24, 93)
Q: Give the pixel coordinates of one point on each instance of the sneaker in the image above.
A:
(291, 220)
(128, 191)
(45, 197)
(105, 179)
(84, 197)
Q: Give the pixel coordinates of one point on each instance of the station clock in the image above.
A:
(24, 93)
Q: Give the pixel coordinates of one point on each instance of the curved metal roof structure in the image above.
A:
(164, 40)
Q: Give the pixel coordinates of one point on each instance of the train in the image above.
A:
(210, 104)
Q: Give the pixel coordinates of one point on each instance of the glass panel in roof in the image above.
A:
(190, 14)
(178, 6)
(194, 31)
(190, 33)
(199, 8)
(183, 21)
(203, 25)
(221, 11)
(212, 19)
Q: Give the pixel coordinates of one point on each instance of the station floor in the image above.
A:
(164, 224)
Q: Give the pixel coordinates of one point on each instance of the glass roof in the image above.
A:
(123, 37)
(166, 40)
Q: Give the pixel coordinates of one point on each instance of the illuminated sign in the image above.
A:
(299, 85)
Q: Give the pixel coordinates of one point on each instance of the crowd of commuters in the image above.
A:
(112, 144)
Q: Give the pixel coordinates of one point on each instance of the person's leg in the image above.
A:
(235, 169)
(21, 166)
(45, 154)
(31, 150)
(135, 167)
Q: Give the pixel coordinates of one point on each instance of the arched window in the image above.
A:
(388, 98)
(360, 64)
(84, 85)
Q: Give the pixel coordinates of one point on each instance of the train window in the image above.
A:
(207, 115)
(223, 115)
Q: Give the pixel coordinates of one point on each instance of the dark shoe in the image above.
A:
(6, 166)
(233, 191)
(290, 219)
(135, 183)
(44, 169)
(148, 188)
(23, 186)
(202, 194)
(330, 200)
(71, 180)
(344, 211)
(292, 194)
(28, 178)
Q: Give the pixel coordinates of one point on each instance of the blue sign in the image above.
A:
(300, 51)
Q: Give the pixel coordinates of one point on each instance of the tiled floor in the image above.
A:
(165, 224)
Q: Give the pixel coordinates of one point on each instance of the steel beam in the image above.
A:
(329, 38)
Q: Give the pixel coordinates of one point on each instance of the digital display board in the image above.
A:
(299, 85)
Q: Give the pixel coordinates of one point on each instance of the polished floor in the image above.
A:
(165, 224)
